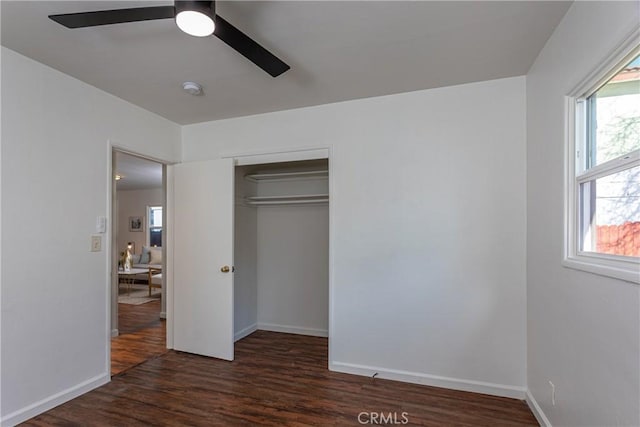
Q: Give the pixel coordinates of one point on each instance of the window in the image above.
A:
(155, 226)
(603, 200)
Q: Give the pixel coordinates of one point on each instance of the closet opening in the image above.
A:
(281, 249)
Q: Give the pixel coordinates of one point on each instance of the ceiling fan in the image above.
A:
(196, 18)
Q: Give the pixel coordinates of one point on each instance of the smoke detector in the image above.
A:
(192, 88)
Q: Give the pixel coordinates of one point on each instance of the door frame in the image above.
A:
(111, 243)
(281, 155)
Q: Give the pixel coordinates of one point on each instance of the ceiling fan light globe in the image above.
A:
(195, 23)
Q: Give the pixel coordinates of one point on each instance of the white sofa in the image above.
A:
(151, 257)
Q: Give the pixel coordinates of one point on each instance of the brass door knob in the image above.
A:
(225, 269)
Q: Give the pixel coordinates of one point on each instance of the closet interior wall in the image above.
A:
(282, 248)
(245, 259)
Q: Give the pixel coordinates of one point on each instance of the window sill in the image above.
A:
(622, 270)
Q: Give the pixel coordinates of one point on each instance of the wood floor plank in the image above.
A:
(275, 380)
(142, 336)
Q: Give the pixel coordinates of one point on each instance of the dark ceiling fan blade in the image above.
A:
(116, 16)
(249, 48)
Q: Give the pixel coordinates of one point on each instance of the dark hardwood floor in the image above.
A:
(132, 318)
(275, 380)
(142, 336)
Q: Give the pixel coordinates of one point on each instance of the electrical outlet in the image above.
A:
(96, 243)
(553, 393)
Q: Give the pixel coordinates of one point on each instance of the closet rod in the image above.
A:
(281, 175)
(286, 202)
(293, 196)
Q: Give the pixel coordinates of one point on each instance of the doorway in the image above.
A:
(138, 304)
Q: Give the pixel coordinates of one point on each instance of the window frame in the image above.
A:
(149, 227)
(615, 266)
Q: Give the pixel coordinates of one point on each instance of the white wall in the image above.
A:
(245, 260)
(428, 223)
(583, 329)
(134, 203)
(293, 258)
(293, 269)
(55, 180)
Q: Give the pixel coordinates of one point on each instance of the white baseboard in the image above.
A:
(514, 392)
(115, 333)
(537, 410)
(293, 330)
(245, 332)
(50, 402)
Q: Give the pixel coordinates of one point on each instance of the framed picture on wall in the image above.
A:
(136, 223)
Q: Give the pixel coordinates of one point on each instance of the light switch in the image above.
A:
(96, 243)
(101, 224)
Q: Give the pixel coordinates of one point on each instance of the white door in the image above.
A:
(203, 258)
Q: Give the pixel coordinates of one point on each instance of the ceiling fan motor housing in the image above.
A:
(206, 7)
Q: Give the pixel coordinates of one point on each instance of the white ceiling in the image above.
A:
(137, 173)
(337, 51)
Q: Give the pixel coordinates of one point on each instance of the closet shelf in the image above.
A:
(255, 177)
(287, 200)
